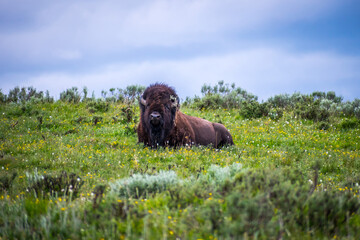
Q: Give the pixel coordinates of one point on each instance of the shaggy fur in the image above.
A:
(163, 124)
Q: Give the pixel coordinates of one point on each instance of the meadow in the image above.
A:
(74, 170)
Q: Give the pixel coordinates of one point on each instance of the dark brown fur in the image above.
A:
(163, 124)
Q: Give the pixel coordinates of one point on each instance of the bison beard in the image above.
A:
(163, 124)
(157, 130)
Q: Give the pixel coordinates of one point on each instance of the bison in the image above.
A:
(163, 124)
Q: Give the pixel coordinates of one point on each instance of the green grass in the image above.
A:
(68, 171)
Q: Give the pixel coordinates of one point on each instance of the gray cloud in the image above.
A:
(106, 26)
(55, 45)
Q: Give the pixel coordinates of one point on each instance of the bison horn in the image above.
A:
(174, 101)
(142, 101)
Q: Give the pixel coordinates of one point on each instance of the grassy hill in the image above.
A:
(75, 171)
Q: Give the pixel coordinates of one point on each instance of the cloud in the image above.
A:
(104, 27)
(263, 71)
(102, 44)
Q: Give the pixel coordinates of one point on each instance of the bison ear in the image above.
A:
(175, 102)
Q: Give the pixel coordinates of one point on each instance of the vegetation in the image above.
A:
(72, 169)
(318, 106)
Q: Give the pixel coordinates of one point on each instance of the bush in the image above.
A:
(132, 93)
(258, 203)
(217, 175)
(275, 113)
(24, 109)
(329, 211)
(209, 102)
(323, 126)
(98, 105)
(2, 97)
(24, 95)
(6, 181)
(128, 95)
(62, 184)
(349, 124)
(70, 95)
(356, 107)
(318, 106)
(254, 109)
(258, 200)
(312, 112)
(306, 106)
(139, 185)
(221, 96)
(127, 115)
(280, 101)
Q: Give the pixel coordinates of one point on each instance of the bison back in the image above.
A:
(208, 133)
(203, 130)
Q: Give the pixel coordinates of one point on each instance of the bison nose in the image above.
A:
(155, 115)
(155, 118)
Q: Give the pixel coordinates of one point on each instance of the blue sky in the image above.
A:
(267, 47)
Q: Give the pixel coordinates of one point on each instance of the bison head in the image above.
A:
(158, 104)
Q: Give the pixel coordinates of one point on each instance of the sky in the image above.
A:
(266, 47)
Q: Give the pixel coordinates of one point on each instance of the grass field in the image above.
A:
(71, 172)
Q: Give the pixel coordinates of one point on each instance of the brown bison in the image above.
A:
(162, 123)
